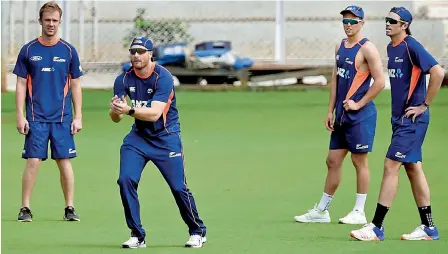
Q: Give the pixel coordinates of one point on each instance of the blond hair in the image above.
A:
(50, 6)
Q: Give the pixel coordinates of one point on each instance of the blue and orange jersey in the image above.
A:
(352, 84)
(48, 70)
(407, 65)
(157, 86)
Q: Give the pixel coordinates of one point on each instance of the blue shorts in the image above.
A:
(61, 140)
(407, 141)
(357, 138)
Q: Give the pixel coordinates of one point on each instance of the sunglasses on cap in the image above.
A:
(393, 21)
(140, 51)
(350, 21)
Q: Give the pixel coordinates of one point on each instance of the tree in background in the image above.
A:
(159, 31)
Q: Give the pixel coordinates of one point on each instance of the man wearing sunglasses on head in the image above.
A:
(408, 64)
(155, 136)
(351, 116)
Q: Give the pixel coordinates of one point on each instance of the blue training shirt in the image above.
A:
(48, 70)
(351, 84)
(408, 63)
(158, 86)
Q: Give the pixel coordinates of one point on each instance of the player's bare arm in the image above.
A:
(114, 114)
(375, 66)
(22, 123)
(436, 75)
(332, 100)
(77, 104)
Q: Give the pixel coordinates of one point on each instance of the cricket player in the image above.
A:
(155, 136)
(48, 71)
(408, 64)
(353, 124)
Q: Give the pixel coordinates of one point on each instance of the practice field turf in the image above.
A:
(254, 160)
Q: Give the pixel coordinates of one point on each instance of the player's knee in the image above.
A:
(33, 163)
(179, 189)
(333, 162)
(126, 180)
(391, 167)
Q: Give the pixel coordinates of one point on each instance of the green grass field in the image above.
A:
(254, 160)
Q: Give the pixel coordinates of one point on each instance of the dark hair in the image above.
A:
(408, 31)
(50, 6)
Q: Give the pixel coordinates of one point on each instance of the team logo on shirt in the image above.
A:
(35, 58)
(398, 60)
(395, 73)
(139, 104)
(347, 60)
(47, 69)
(149, 91)
(58, 59)
(343, 73)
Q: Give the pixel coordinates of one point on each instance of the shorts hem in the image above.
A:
(63, 157)
(34, 157)
(404, 161)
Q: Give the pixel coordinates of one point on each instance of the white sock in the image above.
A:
(360, 202)
(324, 202)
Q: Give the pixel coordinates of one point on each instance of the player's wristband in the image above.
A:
(131, 111)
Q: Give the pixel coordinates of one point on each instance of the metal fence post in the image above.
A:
(95, 29)
(39, 28)
(26, 22)
(81, 30)
(11, 28)
(4, 48)
(279, 32)
(66, 20)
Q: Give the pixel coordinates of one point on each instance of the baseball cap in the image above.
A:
(355, 10)
(142, 41)
(404, 14)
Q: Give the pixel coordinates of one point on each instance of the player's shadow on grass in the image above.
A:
(98, 245)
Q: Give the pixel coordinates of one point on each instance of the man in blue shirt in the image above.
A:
(48, 71)
(408, 64)
(351, 116)
(155, 136)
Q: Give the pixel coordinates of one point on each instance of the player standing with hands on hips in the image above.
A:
(353, 125)
(408, 64)
(48, 72)
(155, 136)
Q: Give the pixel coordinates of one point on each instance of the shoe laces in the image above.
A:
(25, 210)
(70, 210)
(195, 238)
(368, 226)
(418, 229)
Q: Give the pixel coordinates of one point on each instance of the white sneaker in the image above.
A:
(134, 243)
(196, 241)
(354, 217)
(422, 232)
(368, 233)
(314, 216)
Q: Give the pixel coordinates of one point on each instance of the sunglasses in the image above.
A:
(140, 51)
(350, 21)
(393, 21)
